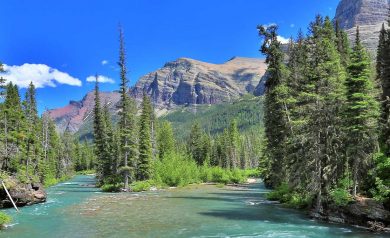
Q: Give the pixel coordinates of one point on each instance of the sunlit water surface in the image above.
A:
(77, 209)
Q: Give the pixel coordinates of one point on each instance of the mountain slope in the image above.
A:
(73, 116)
(248, 111)
(188, 82)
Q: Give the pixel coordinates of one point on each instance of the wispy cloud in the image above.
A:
(40, 74)
(101, 79)
(104, 62)
(283, 40)
(292, 25)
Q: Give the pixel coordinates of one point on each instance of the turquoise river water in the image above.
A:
(77, 209)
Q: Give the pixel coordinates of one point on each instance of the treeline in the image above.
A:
(30, 147)
(229, 149)
(247, 111)
(141, 150)
(322, 114)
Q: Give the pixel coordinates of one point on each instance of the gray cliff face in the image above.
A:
(369, 15)
(187, 82)
(352, 13)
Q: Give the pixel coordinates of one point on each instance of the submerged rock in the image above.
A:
(23, 194)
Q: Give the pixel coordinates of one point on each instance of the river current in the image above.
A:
(77, 209)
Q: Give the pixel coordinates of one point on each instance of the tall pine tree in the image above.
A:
(362, 113)
(145, 143)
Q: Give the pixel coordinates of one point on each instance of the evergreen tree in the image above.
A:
(274, 115)
(361, 114)
(145, 143)
(383, 77)
(127, 121)
(234, 142)
(2, 82)
(342, 43)
(323, 110)
(100, 139)
(195, 144)
(165, 139)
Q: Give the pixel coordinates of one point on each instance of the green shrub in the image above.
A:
(111, 188)
(381, 192)
(281, 193)
(252, 173)
(219, 175)
(140, 186)
(176, 170)
(238, 176)
(4, 220)
(340, 196)
(50, 182)
(205, 174)
(299, 200)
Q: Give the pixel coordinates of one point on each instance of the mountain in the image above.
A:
(73, 116)
(368, 15)
(190, 82)
(183, 82)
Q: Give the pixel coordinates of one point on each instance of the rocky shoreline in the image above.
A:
(366, 213)
(23, 194)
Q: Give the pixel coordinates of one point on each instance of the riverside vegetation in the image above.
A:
(140, 151)
(326, 119)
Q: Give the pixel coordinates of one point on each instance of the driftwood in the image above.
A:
(10, 198)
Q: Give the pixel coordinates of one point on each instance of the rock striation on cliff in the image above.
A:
(369, 15)
(187, 82)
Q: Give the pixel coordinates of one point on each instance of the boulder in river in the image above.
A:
(23, 194)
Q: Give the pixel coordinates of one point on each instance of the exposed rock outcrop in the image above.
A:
(73, 116)
(22, 194)
(366, 212)
(187, 81)
(368, 15)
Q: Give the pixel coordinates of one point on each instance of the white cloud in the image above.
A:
(101, 79)
(40, 74)
(104, 62)
(270, 24)
(283, 40)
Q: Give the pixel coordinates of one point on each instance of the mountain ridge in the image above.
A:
(184, 81)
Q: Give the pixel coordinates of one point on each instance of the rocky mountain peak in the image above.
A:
(187, 81)
(369, 15)
(351, 13)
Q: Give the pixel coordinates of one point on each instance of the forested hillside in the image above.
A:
(248, 111)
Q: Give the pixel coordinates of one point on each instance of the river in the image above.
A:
(77, 209)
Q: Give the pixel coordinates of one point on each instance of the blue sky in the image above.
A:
(71, 40)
